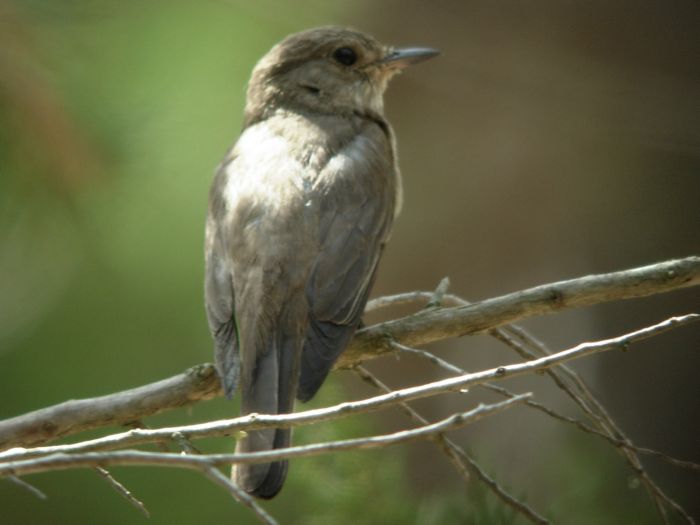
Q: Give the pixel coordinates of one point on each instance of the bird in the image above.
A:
(300, 210)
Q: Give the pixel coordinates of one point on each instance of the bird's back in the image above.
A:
(301, 208)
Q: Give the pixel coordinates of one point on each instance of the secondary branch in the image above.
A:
(200, 382)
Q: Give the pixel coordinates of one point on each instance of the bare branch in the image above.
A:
(433, 325)
(200, 382)
(122, 491)
(63, 461)
(215, 475)
(460, 458)
(195, 384)
(579, 392)
(445, 365)
(447, 445)
(239, 494)
(28, 487)
(411, 297)
(574, 386)
(252, 421)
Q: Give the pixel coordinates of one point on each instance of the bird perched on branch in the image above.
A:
(300, 210)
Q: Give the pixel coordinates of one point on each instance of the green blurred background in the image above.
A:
(550, 140)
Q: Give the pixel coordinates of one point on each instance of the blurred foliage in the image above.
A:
(112, 118)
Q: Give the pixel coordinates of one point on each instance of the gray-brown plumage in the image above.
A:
(300, 210)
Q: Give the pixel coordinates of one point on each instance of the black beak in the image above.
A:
(407, 56)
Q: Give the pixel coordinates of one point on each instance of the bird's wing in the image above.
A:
(356, 217)
(218, 293)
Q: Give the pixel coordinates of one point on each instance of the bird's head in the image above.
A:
(326, 70)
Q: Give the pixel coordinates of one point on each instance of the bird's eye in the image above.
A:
(345, 56)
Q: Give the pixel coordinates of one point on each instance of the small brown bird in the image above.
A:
(300, 210)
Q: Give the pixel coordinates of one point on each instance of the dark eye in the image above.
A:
(345, 55)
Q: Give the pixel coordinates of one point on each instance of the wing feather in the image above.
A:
(356, 219)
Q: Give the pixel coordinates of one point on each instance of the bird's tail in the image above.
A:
(262, 480)
(271, 391)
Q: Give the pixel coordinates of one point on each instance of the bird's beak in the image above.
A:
(400, 58)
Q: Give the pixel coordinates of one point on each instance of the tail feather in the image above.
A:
(272, 391)
(262, 480)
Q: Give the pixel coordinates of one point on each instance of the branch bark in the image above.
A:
(61, 461)
(429, 326)
(76, 415)
(256, 421)
(200, 382)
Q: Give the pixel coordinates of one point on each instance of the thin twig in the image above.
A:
(137, 457)
(239, 494)
(445, 365)
(122, 490)
(254, 421)
(411, 297)
(201, 382)
(439, 293)
(447, 445)
(459, 457)
(215, 475)
(584, 398)
(620, 441)
(28, 486)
